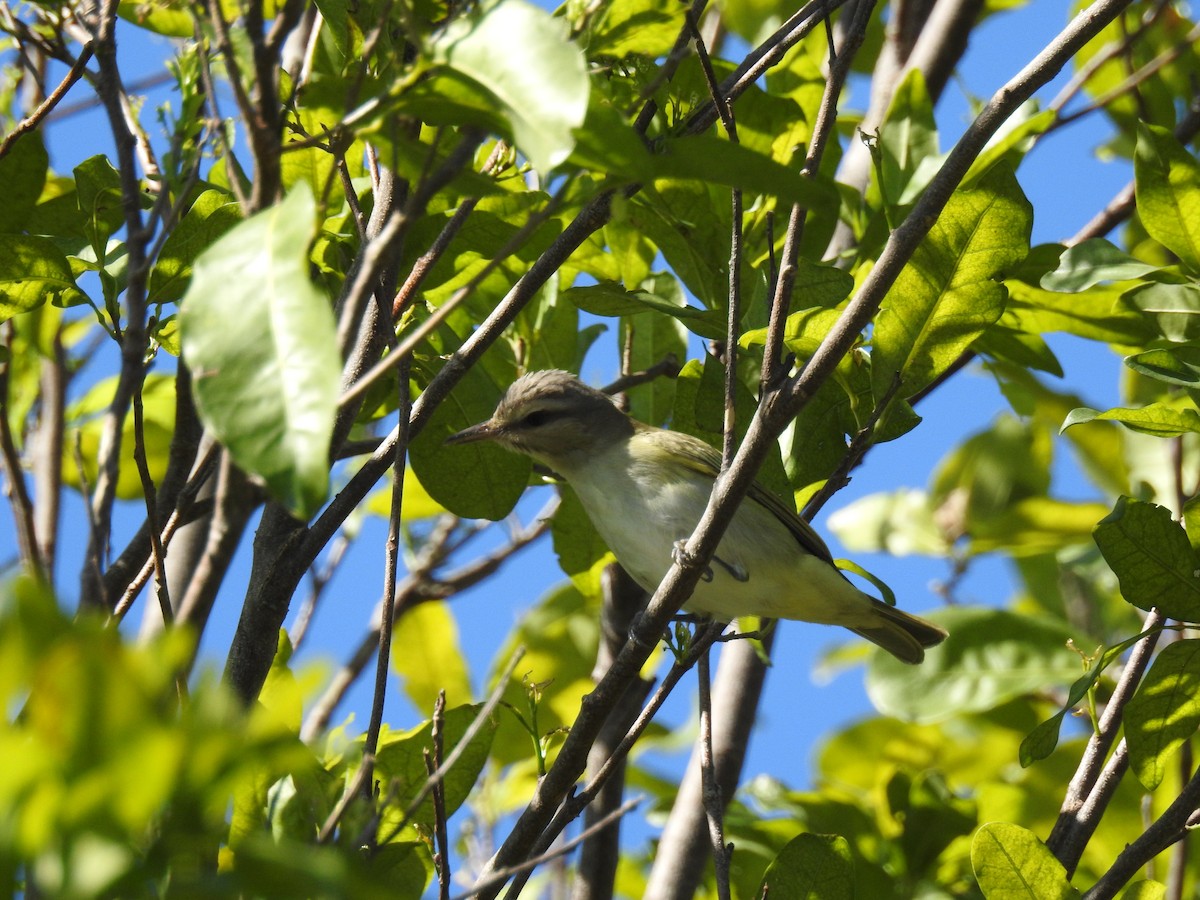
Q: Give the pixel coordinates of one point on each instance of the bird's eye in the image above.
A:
(537, 418)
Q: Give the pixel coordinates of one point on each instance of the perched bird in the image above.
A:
(645, 489)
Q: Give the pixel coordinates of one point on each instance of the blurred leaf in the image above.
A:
(1145, 890)
(1150, 554)
(33, 270)
(476, 481)
(85, 417)
(947, 294)
(899, 523)
(1157, 419)
(1167, 184)
(542, 91)
(415, 504)
(262, 344)
(1011, 863)
(1013, 139)
(1036, 525)
(23, 172)
(427, 656)
(990, 657)
(1165, 711)
(1092, 262)
(811, 867)
(400, 762)
(560, 635)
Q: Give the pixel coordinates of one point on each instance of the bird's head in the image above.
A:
(553, 417)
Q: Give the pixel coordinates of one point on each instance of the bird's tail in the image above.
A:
(901, 634)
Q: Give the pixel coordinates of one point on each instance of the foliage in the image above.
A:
(352, 225)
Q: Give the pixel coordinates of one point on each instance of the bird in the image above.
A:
(645, 489)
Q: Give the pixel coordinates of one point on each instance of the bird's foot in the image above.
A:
(681, 557)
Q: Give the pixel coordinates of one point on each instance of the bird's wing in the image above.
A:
(700, 457)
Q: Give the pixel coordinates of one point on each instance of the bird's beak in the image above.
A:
(484, 431)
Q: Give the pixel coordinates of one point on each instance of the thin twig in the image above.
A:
(391, 556)
(441, 858)
(34, 119)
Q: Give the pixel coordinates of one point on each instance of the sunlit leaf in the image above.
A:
(990, 657)
(1092, 262)
(1165, 711)
(542, 91)
(1167, 183)
(33, 270)
(262, 345)
(427, 656)
(1011, 863)
(23, 173)
(1158, 419)
(1152, 558)
(948, 294)
(811, 867)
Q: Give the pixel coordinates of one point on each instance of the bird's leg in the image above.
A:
(736, 571)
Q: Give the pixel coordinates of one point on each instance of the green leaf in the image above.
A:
(1175, 308)
(1042, 740)
(907, 138)
(1093, 262)
(990, 657)
(714, 160)
(401, 761)
(158, 427)
(1167, 185)
(262, 344)
(475, 481)
(542, 91)
(98, 192)
(900, 523)
(33, 270)
(1157, 419)
(211, 216)
(1152, 558)
(947, 294)
(1165, 711)
(1011, 863)
(1145, 890)
(811, 867)
(577, 544)
(1179, 364)
(634, 27)
(427, 656)
(1097, 314)
(610, 299)
(23, 174)
(1013, 139)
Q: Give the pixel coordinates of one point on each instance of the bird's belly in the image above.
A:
(759, 567)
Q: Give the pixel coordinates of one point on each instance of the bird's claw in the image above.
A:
(682, 558)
